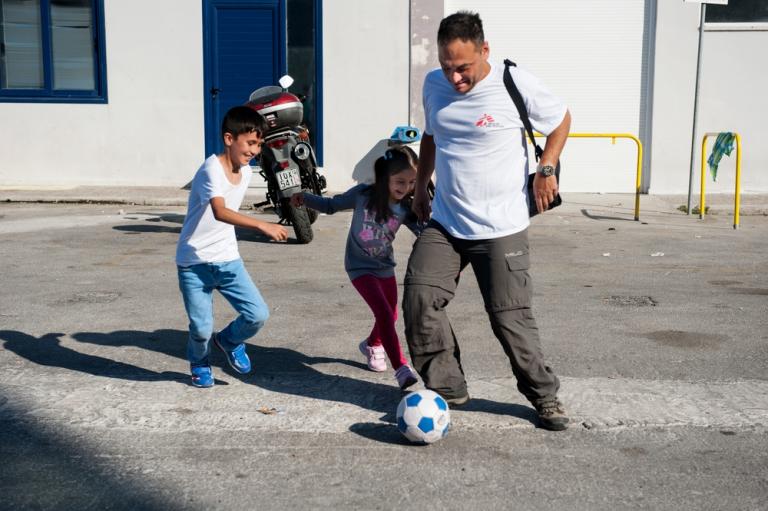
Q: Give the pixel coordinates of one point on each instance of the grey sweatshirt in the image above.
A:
(369, 243)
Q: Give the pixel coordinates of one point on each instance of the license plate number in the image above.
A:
(288, 178)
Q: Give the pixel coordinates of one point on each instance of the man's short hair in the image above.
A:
(464, 25)
(243, 119)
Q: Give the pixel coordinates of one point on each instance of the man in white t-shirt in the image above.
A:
(207, 257)
(474, 143)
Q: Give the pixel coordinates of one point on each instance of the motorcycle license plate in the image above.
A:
(288, 178)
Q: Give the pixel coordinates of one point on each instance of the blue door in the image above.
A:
(244, 43)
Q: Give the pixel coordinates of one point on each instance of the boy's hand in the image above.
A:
(297, 199)
(275, 231)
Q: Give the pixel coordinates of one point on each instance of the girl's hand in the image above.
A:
(297, 199)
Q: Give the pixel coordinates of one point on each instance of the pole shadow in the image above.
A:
(591, 216)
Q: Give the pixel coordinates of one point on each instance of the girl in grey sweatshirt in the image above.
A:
(378, 212)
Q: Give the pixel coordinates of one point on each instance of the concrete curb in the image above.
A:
(718, 204)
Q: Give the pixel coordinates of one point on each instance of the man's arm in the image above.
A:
(223, 214)
(545, 188)
(421, 205)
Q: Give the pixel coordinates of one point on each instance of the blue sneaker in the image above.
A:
(237, 358)
(202, 376)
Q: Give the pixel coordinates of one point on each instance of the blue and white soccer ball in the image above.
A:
(423, 417)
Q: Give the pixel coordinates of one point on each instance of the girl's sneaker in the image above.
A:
(405, 377)
(377, 357)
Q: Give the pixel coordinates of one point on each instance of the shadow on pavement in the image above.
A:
(280, 370)
(245, 235)
(591, 216)
(386, 433)
(43, 469)
(164, 229)
(48, 351)
(290, 372)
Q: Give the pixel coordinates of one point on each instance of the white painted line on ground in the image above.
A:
(303, 407)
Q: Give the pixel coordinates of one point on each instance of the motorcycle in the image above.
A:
(288, 162)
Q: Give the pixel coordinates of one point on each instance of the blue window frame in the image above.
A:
(52, 51)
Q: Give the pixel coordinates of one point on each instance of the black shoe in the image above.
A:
(552, 414)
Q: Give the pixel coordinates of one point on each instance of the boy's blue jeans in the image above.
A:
(231, 279)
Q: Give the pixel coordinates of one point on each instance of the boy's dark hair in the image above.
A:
(395, 160)
(464, 25)
(243, 119)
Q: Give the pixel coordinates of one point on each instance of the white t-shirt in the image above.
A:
(204, 239)
(481, 160)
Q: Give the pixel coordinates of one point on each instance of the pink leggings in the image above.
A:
(381, 296)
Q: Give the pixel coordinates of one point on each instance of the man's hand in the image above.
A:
(421, 206)
(297, 199)
(544, 191)
(274, 231)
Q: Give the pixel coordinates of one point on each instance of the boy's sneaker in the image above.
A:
(405, 377)
(552, 414)
(377, 357)
(237, 358)
(202, 376)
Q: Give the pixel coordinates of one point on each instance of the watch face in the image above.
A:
(547, 170)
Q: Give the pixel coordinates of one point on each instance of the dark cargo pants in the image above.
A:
(501, 267)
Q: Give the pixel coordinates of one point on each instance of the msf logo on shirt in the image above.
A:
(486, 121)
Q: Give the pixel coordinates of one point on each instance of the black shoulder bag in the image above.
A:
(517, 98)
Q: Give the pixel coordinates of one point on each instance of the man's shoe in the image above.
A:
(377, 357)
(405, 377)
(552, 414)
(457, 401)
(202, 376)
(237, 358)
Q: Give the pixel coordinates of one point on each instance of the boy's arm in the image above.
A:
(223, 214)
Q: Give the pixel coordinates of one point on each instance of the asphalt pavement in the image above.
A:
(658, 329)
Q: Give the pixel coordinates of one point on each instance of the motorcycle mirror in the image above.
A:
(285, 82)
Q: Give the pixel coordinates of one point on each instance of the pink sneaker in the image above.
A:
(405, 377)
(377, 357)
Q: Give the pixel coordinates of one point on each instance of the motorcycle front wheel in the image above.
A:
(300, 219)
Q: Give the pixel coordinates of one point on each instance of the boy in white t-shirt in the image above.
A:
(207, 256)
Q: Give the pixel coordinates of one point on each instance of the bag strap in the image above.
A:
(517, 98)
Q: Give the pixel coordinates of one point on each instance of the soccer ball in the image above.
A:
(423, 417)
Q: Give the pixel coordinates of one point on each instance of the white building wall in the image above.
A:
(150, 133)
(590, 53)
(731, 98)
(674, 83)
(734, 97)
(365, 84)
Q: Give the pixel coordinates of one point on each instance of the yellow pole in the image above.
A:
(736, 202)
(613, 137)
(638, 176)
(703, 176)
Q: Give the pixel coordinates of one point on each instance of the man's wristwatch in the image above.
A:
(546, 170)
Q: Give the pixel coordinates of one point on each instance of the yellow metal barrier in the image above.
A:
(613, 137)
(736, 199)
